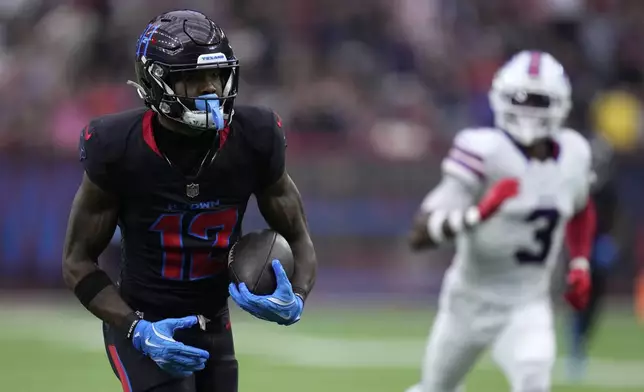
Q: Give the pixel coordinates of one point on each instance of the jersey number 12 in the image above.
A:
(205, 231)
(543, 236)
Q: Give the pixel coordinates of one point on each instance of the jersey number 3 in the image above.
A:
(548, 218)
(205, 231)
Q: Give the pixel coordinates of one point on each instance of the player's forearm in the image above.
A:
(442, 214)
(293, 227)
(92, 221)
(106, 303)
(111, 308)
(430, 229)
(282, 207)
(305, 265)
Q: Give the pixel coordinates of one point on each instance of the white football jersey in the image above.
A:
(510, 257)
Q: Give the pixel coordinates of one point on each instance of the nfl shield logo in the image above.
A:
(192, 190)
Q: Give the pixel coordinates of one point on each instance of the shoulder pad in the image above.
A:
(258, 126)
(579, 159)
(577, 147)
(576, 143)
(467, 159)
(109, 133)
(121, 121)
(481, 140)
(103, 142)
(262, 130)
(255, 116)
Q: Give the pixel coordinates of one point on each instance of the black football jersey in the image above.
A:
(177, 228)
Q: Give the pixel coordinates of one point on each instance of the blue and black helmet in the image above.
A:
(175, 44)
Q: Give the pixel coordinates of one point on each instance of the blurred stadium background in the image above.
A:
(371, 93)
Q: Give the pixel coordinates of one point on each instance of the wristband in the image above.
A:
(300, 293)
(580, 263)
(131, 320)
(92, 284)
(472, 217)
(457, 221)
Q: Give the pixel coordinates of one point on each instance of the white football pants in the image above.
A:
(522, 340)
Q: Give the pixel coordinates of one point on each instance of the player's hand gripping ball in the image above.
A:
(260, 266)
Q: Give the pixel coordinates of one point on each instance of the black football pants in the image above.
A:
(138, 373)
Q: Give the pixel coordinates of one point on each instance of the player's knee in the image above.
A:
(533, 377)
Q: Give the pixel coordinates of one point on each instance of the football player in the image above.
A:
(509, 195)
(176, 177)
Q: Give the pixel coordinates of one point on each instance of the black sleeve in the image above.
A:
(98, 155)
(274, 159)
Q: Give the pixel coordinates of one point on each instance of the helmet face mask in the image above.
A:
(186, 70)
(530, 105)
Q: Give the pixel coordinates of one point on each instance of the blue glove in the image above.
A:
(155, 340)
(282, 307)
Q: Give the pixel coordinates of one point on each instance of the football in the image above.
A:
(250, 259)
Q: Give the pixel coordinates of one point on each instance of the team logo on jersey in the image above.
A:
(192, 190)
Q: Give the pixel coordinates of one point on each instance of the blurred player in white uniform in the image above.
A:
(509, 196)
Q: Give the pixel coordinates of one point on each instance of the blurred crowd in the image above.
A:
(391, 77)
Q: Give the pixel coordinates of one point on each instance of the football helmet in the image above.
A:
(530, 96)
(174, 46)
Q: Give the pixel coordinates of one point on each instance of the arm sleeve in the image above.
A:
(450, 194)
(274, 160)
(580, 232)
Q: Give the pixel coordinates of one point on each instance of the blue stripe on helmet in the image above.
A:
(140, 41)
(145, 51)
